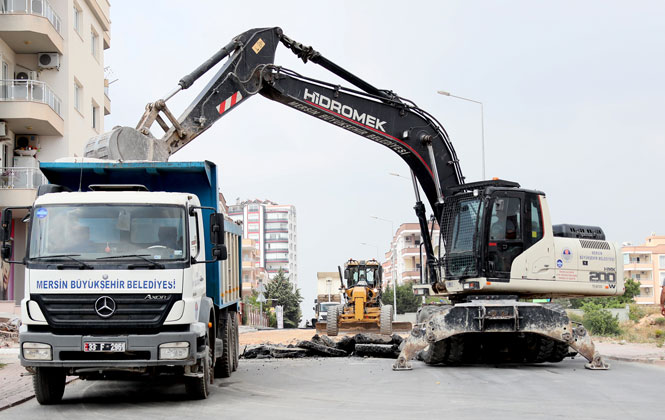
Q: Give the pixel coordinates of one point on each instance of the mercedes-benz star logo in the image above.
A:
(105, 306)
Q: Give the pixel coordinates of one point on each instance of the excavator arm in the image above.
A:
(377, 115)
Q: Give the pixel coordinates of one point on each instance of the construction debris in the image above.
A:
(362, 345)
(9, 331)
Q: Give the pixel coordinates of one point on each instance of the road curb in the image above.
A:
(657, 362)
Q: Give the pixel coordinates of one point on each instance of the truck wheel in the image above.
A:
(198, 388)
(236, 340)
(386, 320)
(331, 323)
(49, 385)
(224, 365)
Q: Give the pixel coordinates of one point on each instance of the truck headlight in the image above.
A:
(174, 351)
(37, 351)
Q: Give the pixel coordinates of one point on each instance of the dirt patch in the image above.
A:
(285, 336)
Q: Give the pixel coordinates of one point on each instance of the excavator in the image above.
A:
(498, 247)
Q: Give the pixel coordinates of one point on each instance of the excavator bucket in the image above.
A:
(126, 143)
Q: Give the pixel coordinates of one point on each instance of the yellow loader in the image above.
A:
(363, 308)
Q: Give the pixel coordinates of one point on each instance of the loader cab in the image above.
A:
(487, 226)
(363, 273)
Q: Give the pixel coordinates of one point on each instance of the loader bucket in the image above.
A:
(126, 143)
(356, 327)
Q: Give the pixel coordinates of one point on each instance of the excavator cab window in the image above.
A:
(506, 232)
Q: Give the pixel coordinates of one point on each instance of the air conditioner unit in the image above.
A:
(33, 75)
(3, 129)
(48, 60)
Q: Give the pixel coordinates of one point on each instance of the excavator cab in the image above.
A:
(487, 225)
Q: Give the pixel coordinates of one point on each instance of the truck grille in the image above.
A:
(131, 312)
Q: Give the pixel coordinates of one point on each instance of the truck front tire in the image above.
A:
(49, 385)
(198, 388)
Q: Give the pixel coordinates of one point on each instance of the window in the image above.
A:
(253, 216)
(77, 18)
(661, 261)
(95, 116)
(193, 235)
(505, 219)
(78, 92)
(536, 224)
(252, 227)
(626, 258)
(94, 41)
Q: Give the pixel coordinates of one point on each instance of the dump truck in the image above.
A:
(131, 270)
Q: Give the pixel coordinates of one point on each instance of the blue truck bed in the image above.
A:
(199, 178)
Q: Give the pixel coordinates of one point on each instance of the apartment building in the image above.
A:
(646, 265)
(53, 98)
(273, 227)
(252, 272)
(402, 262)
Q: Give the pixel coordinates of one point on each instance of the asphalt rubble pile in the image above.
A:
(361, 345)
(9, 331)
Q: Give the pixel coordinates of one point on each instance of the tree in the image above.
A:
(280, 291)
(406, 300)
(632, 290)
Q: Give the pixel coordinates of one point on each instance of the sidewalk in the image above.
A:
(14, 388)
(632, 352)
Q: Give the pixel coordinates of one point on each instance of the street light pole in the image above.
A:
(392, 263)
(482, 122)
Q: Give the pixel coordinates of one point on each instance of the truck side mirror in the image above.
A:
(6, 223)
(219, 252)
(217, 228)
(381, 271)
(347, 274)
(6, 252)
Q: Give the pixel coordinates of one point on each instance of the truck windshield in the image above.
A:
(325, 307)
(99, 231)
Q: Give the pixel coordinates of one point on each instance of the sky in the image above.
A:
(573, 97)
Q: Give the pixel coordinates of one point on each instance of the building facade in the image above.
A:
(273, 227)
(252, 272)
(402, 262)
(646, 265)
(53, 98)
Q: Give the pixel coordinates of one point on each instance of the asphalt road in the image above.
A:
(353, 388)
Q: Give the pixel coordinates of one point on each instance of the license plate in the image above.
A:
(105, 346)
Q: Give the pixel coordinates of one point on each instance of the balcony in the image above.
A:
(410, 252)
(30, 26)
(18, 186)
(31, 107)
(107, 100)
(633, 266)
(410, 275)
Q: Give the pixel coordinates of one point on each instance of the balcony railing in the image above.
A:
(30, 90)
(32, 7)
(22, 178)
